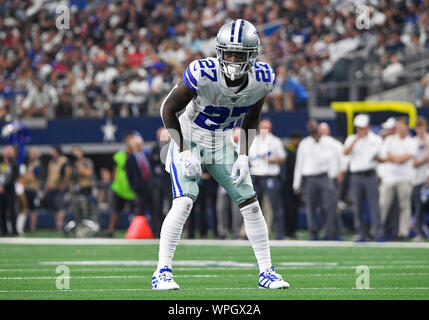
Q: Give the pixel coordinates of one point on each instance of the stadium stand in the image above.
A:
(121, 57)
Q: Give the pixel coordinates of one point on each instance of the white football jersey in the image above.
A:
(216, 108)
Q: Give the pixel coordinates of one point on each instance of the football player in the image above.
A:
(217, 93)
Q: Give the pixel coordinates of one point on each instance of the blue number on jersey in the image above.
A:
(218, 115)
(208, 65)
(264, 73)
(238, 112)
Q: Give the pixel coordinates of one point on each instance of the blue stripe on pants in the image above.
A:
(175, 173)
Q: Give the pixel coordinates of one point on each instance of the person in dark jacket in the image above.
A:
(291, 199)
(8, 175)
(160, 181)
(138, 174)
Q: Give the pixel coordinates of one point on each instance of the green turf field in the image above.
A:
(223, 270)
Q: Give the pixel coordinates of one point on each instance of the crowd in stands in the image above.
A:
(120, 57)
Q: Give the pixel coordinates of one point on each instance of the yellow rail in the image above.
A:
(350, 108)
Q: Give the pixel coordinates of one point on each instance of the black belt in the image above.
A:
(316, 175)
(365, 173)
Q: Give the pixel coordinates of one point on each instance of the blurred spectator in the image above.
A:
(21, 203)
(6, 95)
(288, 94)
(83, 202)
(8, 176)
(39, 101)
(397, 152)
(337, 167)
(390, 229)
(161, 189)
(388, 128)
(392, 71)
(65, 104)
(139, 175)
(265, 156)
(312, 167)
(424, 94)
(137, 91)
(57, 184)
(103, 189)
(122, 195)
(110, 40)
(338, 161)
(277, 96)
(363, 148)
(32, 185)
(420, 175)
(291, 199)
(93, 103)
(296, 94)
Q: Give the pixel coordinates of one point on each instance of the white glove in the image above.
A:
(242, 164)
(191, 166)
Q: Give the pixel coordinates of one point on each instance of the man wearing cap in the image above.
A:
(388, 128)
(397, 152)
(362, 149)
(338, 164)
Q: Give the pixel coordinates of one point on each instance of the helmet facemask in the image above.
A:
(235, 70)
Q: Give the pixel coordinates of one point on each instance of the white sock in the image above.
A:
(171, 230)
(257, 232)
(20, 223)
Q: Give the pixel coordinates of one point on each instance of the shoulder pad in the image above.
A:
(265, 74)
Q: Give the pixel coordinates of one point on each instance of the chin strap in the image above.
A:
(232, 71)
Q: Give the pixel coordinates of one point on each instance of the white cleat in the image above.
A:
(269, 279)
(163, 280)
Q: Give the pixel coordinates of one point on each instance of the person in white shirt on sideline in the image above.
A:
(362, 149)
(397, 152)
(336, 171)
(312, 167)
(339, 161)
(388, 128)
(266, 155)
(420, 175)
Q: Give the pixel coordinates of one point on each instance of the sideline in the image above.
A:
(203, 242)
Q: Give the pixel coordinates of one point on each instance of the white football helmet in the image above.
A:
(239, 36)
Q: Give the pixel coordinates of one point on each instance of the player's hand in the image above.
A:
(242, 164)
(191, 166)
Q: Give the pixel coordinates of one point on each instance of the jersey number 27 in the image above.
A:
(213, 117)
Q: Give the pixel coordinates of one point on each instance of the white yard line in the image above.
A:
(128, 268)
(273, 243)
(119, 277)
(193, 289)
(309, 275)
(201, 263)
